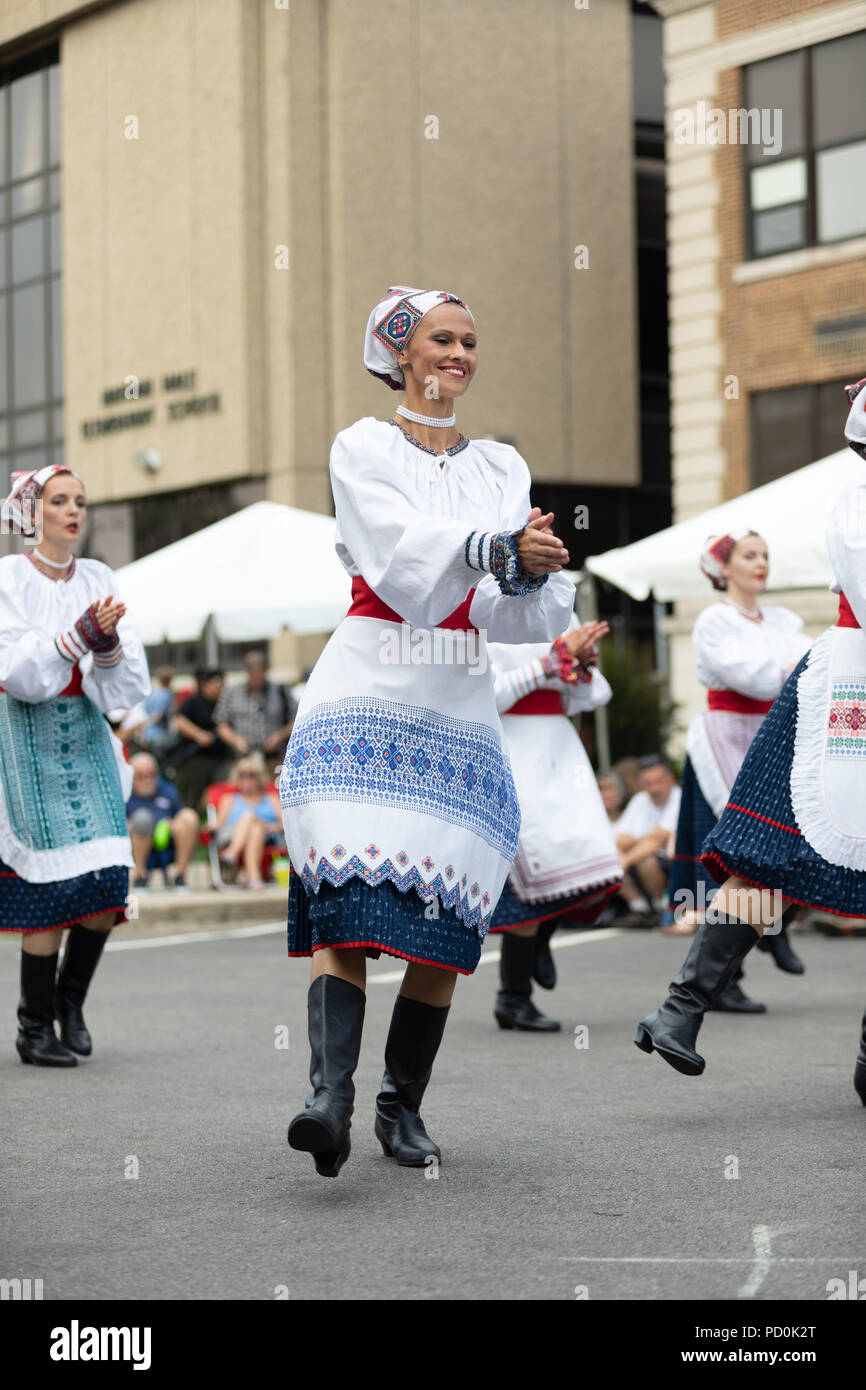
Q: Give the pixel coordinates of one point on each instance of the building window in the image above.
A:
(795, 426)
(806, 186)
(31, 362)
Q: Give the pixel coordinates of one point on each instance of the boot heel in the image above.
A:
(503, 1022)
(389, 1152)
(22, 1054)
(643, 1039)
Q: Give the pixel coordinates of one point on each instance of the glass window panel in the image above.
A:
(778, 184)
(840, 192)
(28, 249)
(648, 74)
(781, 432)
(54, 114)
(30, 459)
(56, 341)
(4, 438)
(27, 118)
(54, 261)
(838, 97)
(57, 422)
(28, 197)
(4, 109)
(29, 367)
(779, 230)
(832, 414)
(4, 364)
(31, 428)
(777, 84)
(54, 188)
(57, 455)
(2, 258)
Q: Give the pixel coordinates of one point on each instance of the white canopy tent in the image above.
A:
(244, 578)
(790, 513)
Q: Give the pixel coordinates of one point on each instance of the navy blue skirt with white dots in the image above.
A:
(580, 908)
(32, 907)
(757, 837)
(381, 919)
(694, 824)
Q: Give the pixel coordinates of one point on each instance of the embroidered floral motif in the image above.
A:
(427, 863)
(329, 750)
(846, 724)
(361, 751)
(475, 890)
(449, 870)
(373, 851)
(392, 756)
(402, 858)
(312, 854)
(485, 900)
(471, 916)
(420, 762)
(338, 851)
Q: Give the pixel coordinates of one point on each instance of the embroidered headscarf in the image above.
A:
(18, 512)
(717, 553)
(391, 325)
(855, 425)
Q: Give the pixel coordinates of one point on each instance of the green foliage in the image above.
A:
(641, 712)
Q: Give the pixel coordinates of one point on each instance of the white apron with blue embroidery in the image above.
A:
(397, 770)
(63, 778)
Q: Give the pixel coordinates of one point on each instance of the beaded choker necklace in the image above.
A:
(752, 617)
(437, 453)
(51, 570)
(436, 421)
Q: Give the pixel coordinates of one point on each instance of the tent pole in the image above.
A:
(602, 729)
(211, 645)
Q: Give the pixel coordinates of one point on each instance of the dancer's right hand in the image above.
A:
(539, 551)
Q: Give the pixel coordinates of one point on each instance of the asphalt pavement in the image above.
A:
(573, 1164)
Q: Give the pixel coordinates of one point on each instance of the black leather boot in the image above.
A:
(83, 950)
(543, 968)
(335, 1013)
(413, 1042)
(860, 1067)
(717, 950)
(514, 1007)
(780, 948)
(733, 1000)
(37, 1041)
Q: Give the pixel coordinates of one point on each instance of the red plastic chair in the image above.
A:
(207, 836)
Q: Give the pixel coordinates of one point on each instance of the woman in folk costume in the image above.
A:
(566, 865)
(744, 655)
(793, 828)
(68, 654)
(398, 801)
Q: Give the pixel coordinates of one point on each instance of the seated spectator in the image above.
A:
(257, 714)
(629, 770)
(199, 757)
(642, 838)
(613, 793)
(157, 734)
(249, 819)
(153, 802)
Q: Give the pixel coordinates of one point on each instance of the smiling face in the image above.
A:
(748, 565)
(440, 359)
(64, 510)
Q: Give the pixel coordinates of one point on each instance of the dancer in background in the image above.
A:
(793, 827)
(566, 865)
(398, 802)
(744, 655)
(68, 654)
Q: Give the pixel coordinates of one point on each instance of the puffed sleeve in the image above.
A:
(729, 658)
(511, 685)
(846, 544)
(423, 565)
(127, 680)
(31, 668)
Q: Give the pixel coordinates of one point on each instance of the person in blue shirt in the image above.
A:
(153, 802)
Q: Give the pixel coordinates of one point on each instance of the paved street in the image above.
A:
(562, 1167)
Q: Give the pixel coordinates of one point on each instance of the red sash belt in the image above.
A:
(735, 702)
(846, 615)
(538, 702)
(367, 604)
(74, 687)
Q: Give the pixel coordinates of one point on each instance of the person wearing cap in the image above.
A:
(69, 653)
(791, 831)
(398, 801)
(744, 654)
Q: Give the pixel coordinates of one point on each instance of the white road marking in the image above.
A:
(384, 977)
(763, 1260)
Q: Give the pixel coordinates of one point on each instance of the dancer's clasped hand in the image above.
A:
(539, 551)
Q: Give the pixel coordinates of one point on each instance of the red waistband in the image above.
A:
(846, 614)
(538, 702)
(73, 688)
(367, 604)
(737, 704)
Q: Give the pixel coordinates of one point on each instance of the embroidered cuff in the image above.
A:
(495, 552)
(70, 646)
(103, 659)
(91, 634)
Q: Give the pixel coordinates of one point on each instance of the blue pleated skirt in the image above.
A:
(32, 907)
(581, 907)
(757, 837)
(694, 824)
(380, 918)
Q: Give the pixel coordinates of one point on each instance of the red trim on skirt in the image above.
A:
(119, 914)
(595, 899)
(712, 862)
(791, 829)
(377, 946)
